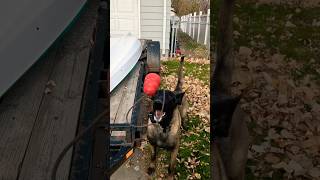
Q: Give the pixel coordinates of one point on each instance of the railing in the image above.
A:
(197, 26)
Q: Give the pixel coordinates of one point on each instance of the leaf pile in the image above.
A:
(280, 93)
(197, 94)
(198, 60)
(194, 148)
(285, 115)
(304, 3)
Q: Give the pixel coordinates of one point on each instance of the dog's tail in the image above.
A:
(180, 75)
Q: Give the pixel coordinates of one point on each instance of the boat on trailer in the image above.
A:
(124, 55)
(28, 29)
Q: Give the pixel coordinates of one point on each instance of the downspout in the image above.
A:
(139, 21)
(164, 27)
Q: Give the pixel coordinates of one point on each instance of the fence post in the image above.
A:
(184, 23)
(207, 28)
(194, 24)
(199, 25)
(189, 22)
(181, 24)
(175, 43)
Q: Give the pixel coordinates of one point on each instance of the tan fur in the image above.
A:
(169, 140)
(232, 150)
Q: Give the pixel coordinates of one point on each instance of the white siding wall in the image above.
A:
(151, 18)
(124, 18)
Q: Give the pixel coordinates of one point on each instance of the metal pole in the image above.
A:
(207, 28)
(172, 33)
(175, 42)
(164, 28)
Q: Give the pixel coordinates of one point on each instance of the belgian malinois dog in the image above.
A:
(230, 136)
(165, 120)
(231, 139)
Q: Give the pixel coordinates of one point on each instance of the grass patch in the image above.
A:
(191, 47)
(194, 145)
(200, 71)
(266, 24)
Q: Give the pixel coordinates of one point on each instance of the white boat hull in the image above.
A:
(124, 55)
(27, 29)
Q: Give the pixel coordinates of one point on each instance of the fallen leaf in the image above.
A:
(314, 172)
(271, 158)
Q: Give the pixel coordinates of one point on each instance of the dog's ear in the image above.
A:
(179, 97)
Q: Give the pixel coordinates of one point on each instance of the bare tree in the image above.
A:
(183, 7)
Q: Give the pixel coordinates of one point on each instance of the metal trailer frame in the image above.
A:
(92, 158)
(90, 155)
(150, 63)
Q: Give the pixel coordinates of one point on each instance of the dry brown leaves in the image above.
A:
(198, 95)
(304, 3)
(198, 60)
(286, 114)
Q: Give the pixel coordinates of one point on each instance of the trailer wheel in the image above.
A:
(153, 57)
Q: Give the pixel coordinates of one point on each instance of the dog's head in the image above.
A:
(223, 109)
(167, 101)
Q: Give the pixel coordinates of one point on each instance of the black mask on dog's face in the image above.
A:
(223, 108)
(167, 100)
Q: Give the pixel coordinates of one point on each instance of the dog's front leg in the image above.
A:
(152, 166)
(173, 161)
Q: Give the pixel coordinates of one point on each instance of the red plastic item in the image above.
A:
(151, 84)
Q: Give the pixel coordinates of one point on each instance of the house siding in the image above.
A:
(151, 19)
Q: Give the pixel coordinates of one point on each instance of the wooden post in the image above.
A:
(207, 28)
(199, 25)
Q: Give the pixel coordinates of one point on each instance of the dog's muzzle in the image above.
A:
(158, 113)
(156, 116)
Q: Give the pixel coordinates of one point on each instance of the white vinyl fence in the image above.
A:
(197, 26)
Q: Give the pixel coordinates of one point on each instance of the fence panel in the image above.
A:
(197, 26)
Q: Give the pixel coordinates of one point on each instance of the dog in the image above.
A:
(230, 135)
(230, 139)
(165, 121)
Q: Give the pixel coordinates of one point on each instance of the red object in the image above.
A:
(151, 84)
(178, 51)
